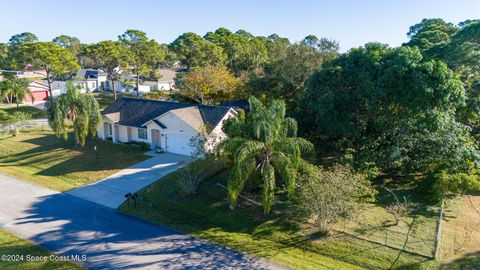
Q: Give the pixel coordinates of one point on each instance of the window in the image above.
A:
(110, 130)
(142, 133)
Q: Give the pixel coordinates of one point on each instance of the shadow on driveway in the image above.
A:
(72, 226)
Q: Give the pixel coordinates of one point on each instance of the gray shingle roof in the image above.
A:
(238, 104)
(86, 74)
(136, 112)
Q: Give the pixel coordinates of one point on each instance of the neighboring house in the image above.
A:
(127, 84)
(91, 80)
(39, 92)
(169, 126)
(28, 72)
(166, 81)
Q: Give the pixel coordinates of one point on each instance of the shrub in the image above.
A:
(324, 196)
(143, 145)
(400, 207)
(19, 119)
(188, 180)
(191, 176)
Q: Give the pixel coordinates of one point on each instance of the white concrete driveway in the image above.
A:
(110, 192)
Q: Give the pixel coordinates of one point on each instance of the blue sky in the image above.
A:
(352, 23)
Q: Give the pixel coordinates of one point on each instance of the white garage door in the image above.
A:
(179, 143)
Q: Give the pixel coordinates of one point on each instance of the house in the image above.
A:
(91, 79)
(168, 126)
(28, 72)
(39, 92)
(127, 83)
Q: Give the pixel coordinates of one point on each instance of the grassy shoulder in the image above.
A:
(40, 157)
(7, 110)
(12, 245)
(206, 215)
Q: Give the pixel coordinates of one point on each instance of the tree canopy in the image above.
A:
(79, 110)
(210, 85)
(194, 51)
(109, 56)
(393, 109)
(68, 42)
(19, 39)
(264, 144)
(51, 57)
(143, 55)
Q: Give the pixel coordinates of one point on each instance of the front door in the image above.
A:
(129, 134)
(107, 131)
(156, 138)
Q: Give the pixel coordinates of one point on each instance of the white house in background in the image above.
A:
(168, 126)
(127, 83)
(166, 80)
(91, 79)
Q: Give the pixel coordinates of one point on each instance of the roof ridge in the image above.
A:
(174, 102)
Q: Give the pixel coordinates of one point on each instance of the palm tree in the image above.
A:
(264, 142)
(15, 87)
(81, 110)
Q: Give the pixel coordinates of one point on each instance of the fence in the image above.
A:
(419, 235)
(439, 230)
(21, 126)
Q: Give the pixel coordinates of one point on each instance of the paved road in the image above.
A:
(110, 192)
(71, 226)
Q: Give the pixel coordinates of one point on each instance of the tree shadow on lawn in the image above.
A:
(469, 261)
(82, 159)
(115, 241)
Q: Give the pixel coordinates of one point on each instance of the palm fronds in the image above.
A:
(271, 148)
(80, 110)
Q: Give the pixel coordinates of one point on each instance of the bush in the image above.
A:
(324, 196)
(143, 145)
(19, 119)
(191, 176)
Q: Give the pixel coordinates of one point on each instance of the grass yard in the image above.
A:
(460, 247)
(12, 245)
(7, 110)
(38, 156)
(374, 223)
(206, 215)
(104, 99)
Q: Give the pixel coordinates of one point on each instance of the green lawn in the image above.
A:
(104, 99)
(206, 215)
(7, 110)
(12, 245)
(38, 156)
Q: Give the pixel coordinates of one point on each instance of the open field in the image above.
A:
(12, 245)
(40, 157)
(206, 215)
